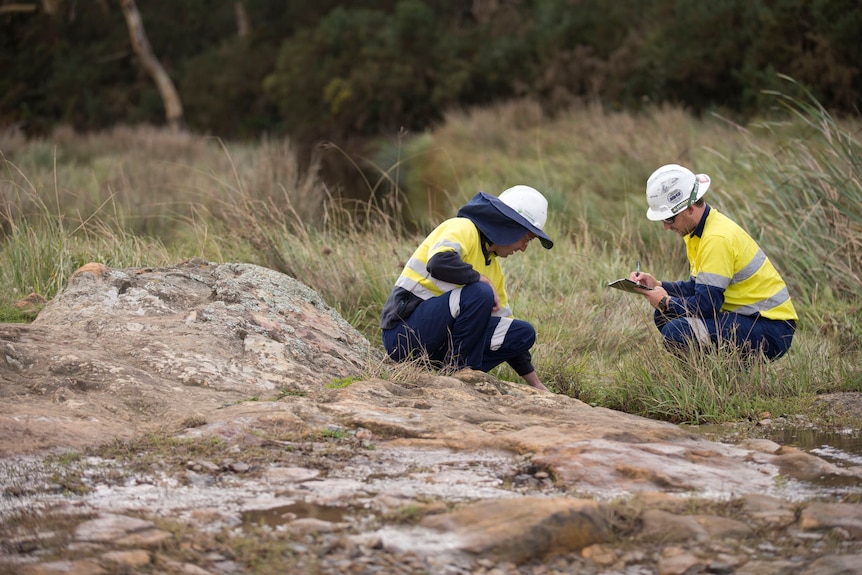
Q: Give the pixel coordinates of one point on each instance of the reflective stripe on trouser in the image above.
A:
(749, 333)
(456, 330)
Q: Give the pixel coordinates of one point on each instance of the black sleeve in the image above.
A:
(449, 267)
(522, 364)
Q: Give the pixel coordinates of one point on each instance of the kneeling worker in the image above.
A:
(450, 301)
(734, 294)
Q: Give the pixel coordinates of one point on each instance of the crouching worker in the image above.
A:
(450, 301)
(734, 295)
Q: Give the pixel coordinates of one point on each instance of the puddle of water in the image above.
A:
(843, 449)
(840, 448)
(287, 513)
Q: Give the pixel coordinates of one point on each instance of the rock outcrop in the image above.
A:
(119, 352)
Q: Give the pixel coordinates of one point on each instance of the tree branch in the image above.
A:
(141, 46)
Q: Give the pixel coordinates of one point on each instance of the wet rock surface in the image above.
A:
(216, 419)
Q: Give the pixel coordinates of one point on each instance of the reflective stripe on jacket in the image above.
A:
(461, 236)
(724, 256)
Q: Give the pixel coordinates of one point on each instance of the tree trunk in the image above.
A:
(9, 8)
(50, 6)
(243, 24)
(141, 45)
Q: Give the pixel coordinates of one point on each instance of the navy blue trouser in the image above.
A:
(751, 334)
(457, 330)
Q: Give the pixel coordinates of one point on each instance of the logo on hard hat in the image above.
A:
(674, 196)
(527, 215)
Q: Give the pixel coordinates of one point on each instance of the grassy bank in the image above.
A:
(145, 197)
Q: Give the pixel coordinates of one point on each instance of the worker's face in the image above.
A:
(683, 223)
(507, 250)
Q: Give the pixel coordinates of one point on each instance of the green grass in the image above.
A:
(145, 197)
(341, 382)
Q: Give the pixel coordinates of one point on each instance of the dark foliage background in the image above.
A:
(332, 70)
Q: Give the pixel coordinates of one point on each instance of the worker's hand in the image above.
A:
(496, 295)
(654, 295)
(533, 379)
(645, 279)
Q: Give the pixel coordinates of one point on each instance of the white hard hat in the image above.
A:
(528, 202)
(526, 206)
(673, 188)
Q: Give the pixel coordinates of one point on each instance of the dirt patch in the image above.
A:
(843, 405)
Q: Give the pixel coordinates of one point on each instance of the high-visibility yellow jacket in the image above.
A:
(461, 236)
(458, 236)
(730, 273)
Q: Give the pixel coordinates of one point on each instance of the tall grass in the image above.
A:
(811, 204)
(146, 197)
(42, 246)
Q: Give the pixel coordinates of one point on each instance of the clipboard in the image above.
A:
(625, 284)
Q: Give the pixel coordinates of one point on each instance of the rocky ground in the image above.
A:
(261, 501)
(211, 419)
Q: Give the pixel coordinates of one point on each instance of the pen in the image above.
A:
(638, 269)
